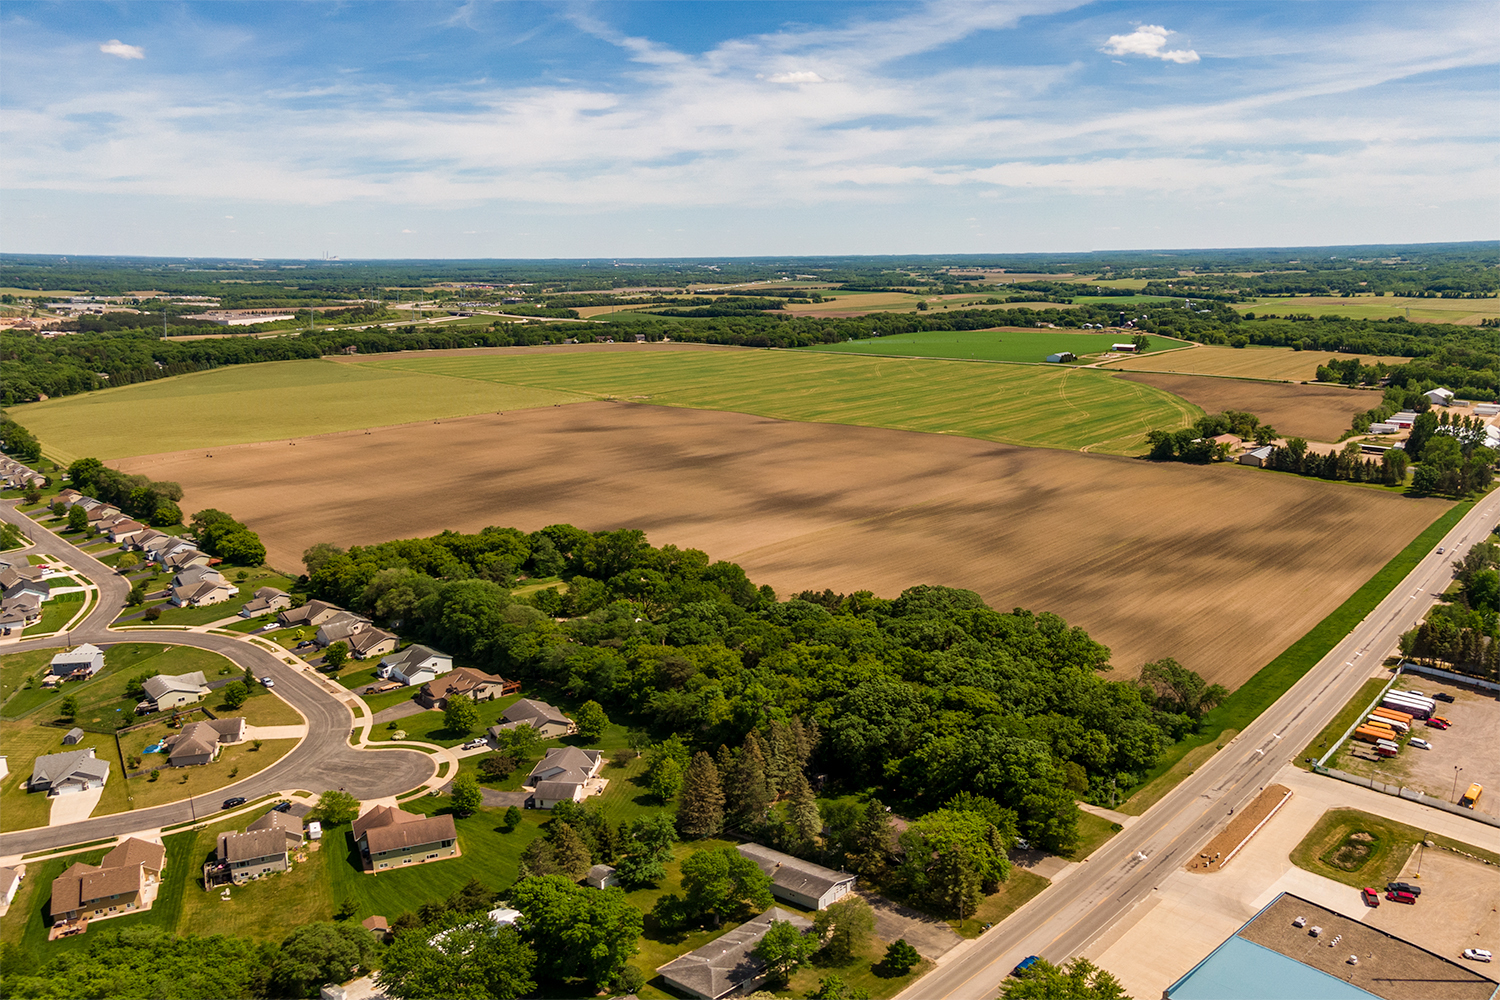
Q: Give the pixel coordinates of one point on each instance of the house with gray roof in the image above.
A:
(21, 578)
(240, 857)
(565, 774)
(68, 772)
(311, 613)
(371, 641)
(83, 662)
(197, 586)
(416, 664)
(727, 964)
(339, 628)
(199, 742)
(549, 722)
(266, 600)
(166, 691)
(809, 886)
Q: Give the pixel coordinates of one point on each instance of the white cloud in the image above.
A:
(115, 47)
(801, 76)
(1149, 40)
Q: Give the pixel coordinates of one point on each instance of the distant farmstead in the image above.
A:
(1062, 357)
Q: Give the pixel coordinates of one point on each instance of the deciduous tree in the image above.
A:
(783, 948)
(460, 714)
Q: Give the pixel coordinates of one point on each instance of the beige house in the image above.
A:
(566, 774)
(312, 613)
(546, 720)
(389, 838)
(199, 586)
(126, 881)
(266, 600)
(340, 627)
(199, 742)
(165, 692)
(477, 684)
(372, 641)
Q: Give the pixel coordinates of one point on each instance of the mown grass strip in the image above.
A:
(70, 847)
(1275, 678)
(1341, 722)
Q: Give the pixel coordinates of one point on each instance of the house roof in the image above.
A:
(727, 961)
(55, 767)
(560, 789)
(266, 593)
(83, 653)
(533, 713)
(134, 851)
(411, 656)
(66, 888)
(109, 882)
(461, 680)
(251, 844)
(309, 611)
(601, 871)
(794, 874)
(566, 764)
(162, 684)
(369, 638)
(8, 878)
(376, 924)
(414, 831)
(199, 738)
(342, 625)
(273, 820)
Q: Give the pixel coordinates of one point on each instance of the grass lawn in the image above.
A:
(1272, 681)
(55, 614)
(1157, 788)
(858, 973)
(1326, 740)
(24, 743)
(991, 345)
(17, 668)
(248, 579)
(235, 763)
(262, 709)
(1362, 849)
(1017, 890)
(1095, 831)
(251, 624)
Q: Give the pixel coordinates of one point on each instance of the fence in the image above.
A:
(1410, 794)
(1448, 675)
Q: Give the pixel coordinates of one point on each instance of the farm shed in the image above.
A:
(1062, 357)
(1125, 348)
(1257, 456)
(1439, 396)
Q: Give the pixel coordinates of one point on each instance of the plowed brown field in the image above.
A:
(1220, 567)
(1315, 412)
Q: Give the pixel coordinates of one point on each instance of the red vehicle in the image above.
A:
(1438, 722)
(1401, 897)
(1371, 897)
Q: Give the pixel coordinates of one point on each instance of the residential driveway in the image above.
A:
(275, 732)
(932, 937)
(494, 799)
(75, 806)
(400, 711)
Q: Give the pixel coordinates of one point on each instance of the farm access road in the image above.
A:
(1061, 921)
(323, 760)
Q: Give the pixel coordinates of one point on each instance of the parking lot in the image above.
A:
(1455, 911)
(1469, 744)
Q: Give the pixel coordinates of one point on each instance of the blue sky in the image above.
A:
(660, 129)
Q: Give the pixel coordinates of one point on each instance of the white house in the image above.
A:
(415, 665)
(810, 886)
(85, 661)
(166, 691)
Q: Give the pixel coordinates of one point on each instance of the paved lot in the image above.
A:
(931, 937)
(1457, 908)
(1470, 744)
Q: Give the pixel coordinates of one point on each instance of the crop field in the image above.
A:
(240, 403)
(1464, 312)
(1280, 364)
(1043, 407)
(1315, 412)
(1216, 566)
(1005, 344)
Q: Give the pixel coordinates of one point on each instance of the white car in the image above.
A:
(474, 744)
(1419, 743)
(1478, 954)
(268, 682)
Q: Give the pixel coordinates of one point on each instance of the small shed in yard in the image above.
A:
(73, 736)
(601, 877)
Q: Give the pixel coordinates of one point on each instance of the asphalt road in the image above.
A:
(1060, 922)
(323, 760)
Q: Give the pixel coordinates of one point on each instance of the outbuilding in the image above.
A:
(1257, 457)
(1062, 358)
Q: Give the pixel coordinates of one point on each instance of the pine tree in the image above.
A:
(571, 855)
(805, 736)
(700, 810)
(748, 794)
(781, 755)
(805, 818)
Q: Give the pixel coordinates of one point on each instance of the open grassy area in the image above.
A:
(1037, 406)
(236, 763)
(990, 345)
(17, 668)
(1361, 849)
(247, 578)
(1272, 681)
(1095, 832)
(1326, 740)
(1466, 312)
(243, 403)
(1013, 894)
(55, 614)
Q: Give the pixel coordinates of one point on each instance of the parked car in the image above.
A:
(1438, 722)
(1478, 954)
(1443, 696)
(1419, 743)
(1025, 964)
(305, 643)
(1415, 890)
(475, 744)
(1401, 897)
(1022, 844)
(1371, 897)
(268, 682)
(238, 800)
(285, 805)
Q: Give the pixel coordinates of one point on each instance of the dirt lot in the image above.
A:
(1316, 412)
(1461, 893)
(1470, 744)
(1219, 850)
(1216, 566)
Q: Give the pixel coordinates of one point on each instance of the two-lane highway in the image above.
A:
(1061, 921)
(323, 760)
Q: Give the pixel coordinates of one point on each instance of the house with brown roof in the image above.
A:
(266, 600)
(311, 613)
(387, 837)
(261, 850)
(124, 529)
(372, 641)
(199, 742)
(549, 722)
(477, 684)
(125, 881)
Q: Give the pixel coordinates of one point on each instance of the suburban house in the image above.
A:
(101, 512)
(20, 611)
(549, 722)
(266, 600)
(372, 641)
(199, 742)
(727, 964)
(1257, 457)
(416, 664)
(380, 927)
(261, 850)
(10, 881)
(198, 586)
(566, 774)
(339, 627)
(477, 684)
(389, 838)
(601, 877)
(69, 771)
(68, 497)
(311, 613)
(124, 529)
(125, 881)
(809, 886)
(165, 691)
(183, 556)
(81, 663)
(16, 581)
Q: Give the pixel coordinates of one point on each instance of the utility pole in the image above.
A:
(1454, 794)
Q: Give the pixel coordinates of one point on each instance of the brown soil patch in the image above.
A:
(1315, 412)
(1219, 566)
(1213, 857)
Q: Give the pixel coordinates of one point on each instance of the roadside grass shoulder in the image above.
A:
(1362, 849)
(1095, 832)
(1013, 894)
(1339, 723)
(1273, 680)
(1156, 789)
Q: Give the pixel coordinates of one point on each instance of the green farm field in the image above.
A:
(239, 404)
(1014, 344)
(1464, 312)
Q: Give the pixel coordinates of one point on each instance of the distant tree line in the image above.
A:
(141, 497)
(1462, 632)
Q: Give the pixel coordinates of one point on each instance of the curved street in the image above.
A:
(323, 760)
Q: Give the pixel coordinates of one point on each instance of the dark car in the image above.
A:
(238, 800)
(283, 806)
(1443, 696)
(305, 643)
(1415, 890)
(1026, 963)
(1401, 897)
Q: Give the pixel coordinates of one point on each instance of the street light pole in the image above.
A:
(1454, 794)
